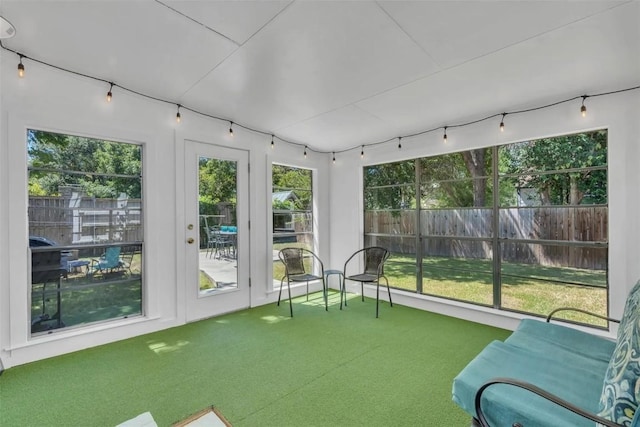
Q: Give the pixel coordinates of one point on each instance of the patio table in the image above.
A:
(327, 273)
(77, 264)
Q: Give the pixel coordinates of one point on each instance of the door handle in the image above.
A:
(190, 240)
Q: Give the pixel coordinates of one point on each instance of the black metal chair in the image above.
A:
(295, 271)
(374, 259)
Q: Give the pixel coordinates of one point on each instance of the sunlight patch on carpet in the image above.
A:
(163, 347)
(274, 319)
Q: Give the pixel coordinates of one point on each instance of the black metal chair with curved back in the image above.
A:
(295, 271)
(374, 259)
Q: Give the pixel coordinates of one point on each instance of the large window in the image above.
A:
(456, 223)
(85, 230)
(292, 210)
(553, 227)
(390, 218)
(538, 242)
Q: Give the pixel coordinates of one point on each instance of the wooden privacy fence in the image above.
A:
(467, 232)
(78, 220)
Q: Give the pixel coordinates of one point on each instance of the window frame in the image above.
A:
(100, 245)
(311, 236)
(494, 239)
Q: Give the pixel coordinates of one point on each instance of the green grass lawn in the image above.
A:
(527, 288)
(206, 282)
(89, 296)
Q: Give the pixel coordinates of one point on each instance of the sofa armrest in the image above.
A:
(550, 316)
(540, 392)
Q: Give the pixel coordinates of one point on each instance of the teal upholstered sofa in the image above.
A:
(546, 374)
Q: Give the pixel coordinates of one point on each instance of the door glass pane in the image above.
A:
(217, 201)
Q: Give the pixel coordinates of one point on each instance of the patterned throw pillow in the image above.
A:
(621, 389)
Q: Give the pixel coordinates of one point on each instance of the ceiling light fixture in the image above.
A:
(399, 143)
(583, 109)
(334, 157)
(305, 151)
(21, 71)
(178, 117)
(109, 94)
(21, 67)
(362, 152)
(272, 144)
(502, 122)
(231, 128)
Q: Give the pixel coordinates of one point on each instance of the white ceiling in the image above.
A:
(339, 74)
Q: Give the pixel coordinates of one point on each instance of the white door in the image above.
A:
(217, 230)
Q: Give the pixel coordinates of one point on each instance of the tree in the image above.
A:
(541, 165)
(99, 168)
(298, 180)
(457, 179)
(390, 186)
(217, 184)
(476, 162)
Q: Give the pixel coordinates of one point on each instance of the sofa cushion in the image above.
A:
(543, 337)
(570, 376)
(621, 389)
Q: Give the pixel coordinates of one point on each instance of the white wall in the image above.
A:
(53, 100)
(618, 113)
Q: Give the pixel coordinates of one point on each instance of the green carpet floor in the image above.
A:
(261, 368)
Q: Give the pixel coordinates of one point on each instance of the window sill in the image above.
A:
(80, 331)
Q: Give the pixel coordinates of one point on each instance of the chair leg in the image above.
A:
(280, 293)
(377, 297)
(325, 293)
(344, 289)
(290, 302)
(362, 290)
(389, 292)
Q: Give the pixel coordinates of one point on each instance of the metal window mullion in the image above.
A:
(464, 179)
(497, 262)
(378, 187)
(418, 232)
(591, 205)
(566, 243)
(84, 173)
(553, 171)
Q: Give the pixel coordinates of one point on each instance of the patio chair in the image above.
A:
(209, 233)
(126, 257)
(374, 259)
(109, 262)
(224, 241)
(295, 271)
